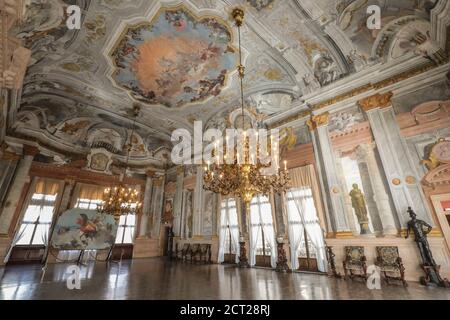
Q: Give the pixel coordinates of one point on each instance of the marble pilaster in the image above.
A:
(178, 202)
(333, 186)
(146, 212)
(198, 205)
(400, 172)
(157, 207)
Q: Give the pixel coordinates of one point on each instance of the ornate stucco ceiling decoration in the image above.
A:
(175, 59)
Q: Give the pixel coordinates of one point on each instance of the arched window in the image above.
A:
(229, 232)
(263, 251)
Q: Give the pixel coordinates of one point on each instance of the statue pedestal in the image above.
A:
(433, 277)
(282, 265)
(243, 261)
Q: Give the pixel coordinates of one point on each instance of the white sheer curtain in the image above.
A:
(261, 221)
(234, 230)
(269, 236)
(296, 232)
(255, 234)
(228, 222)
(301, 209)
(222, 234)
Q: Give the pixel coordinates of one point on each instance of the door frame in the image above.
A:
(445, 227)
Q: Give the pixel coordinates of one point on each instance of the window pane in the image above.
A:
(41, 232)
(131, 220)
(122, 220)
(119, 235)
(82, 205)
(129, 233)
(46, 215)
(31, 214)
(26, 230)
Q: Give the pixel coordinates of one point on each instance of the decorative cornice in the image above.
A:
(376, 101)
(47, 170)
(356, 92)
(30, 150)
(318, 121)
(342, 97)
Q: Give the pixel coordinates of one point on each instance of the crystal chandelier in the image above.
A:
(244, 177)
(121, 200)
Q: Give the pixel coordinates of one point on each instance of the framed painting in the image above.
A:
(80, 229)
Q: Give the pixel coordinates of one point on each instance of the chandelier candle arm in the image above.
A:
(242, 175)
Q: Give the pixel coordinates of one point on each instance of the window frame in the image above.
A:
(53, 204)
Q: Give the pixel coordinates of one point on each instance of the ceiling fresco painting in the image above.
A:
(175, 60)
(178, 60)
(261, 4)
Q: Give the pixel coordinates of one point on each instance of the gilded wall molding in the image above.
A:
(318, 121)
(358, 91)
(376, 101)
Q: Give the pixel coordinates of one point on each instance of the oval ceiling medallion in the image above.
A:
(175, 59)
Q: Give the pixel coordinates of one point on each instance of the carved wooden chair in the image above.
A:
(181, 254)
(193, 251)
(355, 263)
(205, 253)
(391, 265)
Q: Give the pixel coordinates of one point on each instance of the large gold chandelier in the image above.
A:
(122, 200)
(244, 177)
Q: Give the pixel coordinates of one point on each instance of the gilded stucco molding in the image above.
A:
(376, 101)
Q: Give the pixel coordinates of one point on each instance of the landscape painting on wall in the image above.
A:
(79, 229)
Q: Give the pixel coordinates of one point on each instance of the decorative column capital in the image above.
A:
(9, 156)
(318, 121)
(180, 170)
(376, 101)
(159, 182)
(30, 150)
(150, 174)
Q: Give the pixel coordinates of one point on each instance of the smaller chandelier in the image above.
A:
(119, 201)
(122, 200)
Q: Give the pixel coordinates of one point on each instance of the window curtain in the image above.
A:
(269, 237)
(234, 230)
(255, 233)
(302, 178)
(222, 235)
(229, 217)
(261, 217)
(296, 233)
(90, 192)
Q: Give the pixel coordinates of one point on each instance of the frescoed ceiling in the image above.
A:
(178, 60)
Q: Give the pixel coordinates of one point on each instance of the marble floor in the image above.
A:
(157, 279)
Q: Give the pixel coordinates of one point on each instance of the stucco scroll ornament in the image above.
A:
(439, 154)
(318, 121)
(376, 101)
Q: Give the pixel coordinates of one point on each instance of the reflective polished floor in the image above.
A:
(157, 279)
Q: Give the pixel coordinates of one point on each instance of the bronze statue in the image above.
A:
(421, 229)
(359, 205)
